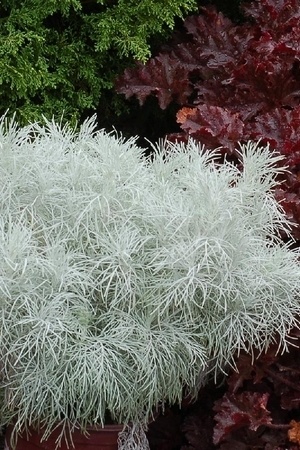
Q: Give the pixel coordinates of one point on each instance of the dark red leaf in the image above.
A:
(281, 128)
(213, 37)
(162, 76)
(236, 411)
(275, 15)
(212, 125)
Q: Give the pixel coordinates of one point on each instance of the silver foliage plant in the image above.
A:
(123, 279)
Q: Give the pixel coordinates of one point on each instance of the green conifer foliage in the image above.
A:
(59, 56)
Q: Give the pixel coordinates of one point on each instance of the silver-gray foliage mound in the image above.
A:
(123, 279)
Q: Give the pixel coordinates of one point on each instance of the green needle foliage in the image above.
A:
(60, 56)
(124, 279)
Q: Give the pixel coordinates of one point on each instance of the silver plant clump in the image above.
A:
(124, 279)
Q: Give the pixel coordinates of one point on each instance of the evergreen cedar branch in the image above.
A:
(59, 57)
(233, 83)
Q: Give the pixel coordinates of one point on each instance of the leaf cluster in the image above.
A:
(233, 83)
(123, 279)
(260, 406)
(256, 406)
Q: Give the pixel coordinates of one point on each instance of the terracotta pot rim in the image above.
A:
(88, 437)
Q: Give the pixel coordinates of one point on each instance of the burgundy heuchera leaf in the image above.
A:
(163, 76)
(281, 128)
(224, 130)
(236, 411)
(276, 15)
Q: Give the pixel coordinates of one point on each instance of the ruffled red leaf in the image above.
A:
(237, 411)
(281, 128)
(276, 15)
(251, 367)
(162, 76)
(214, 38)
(212, 125)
